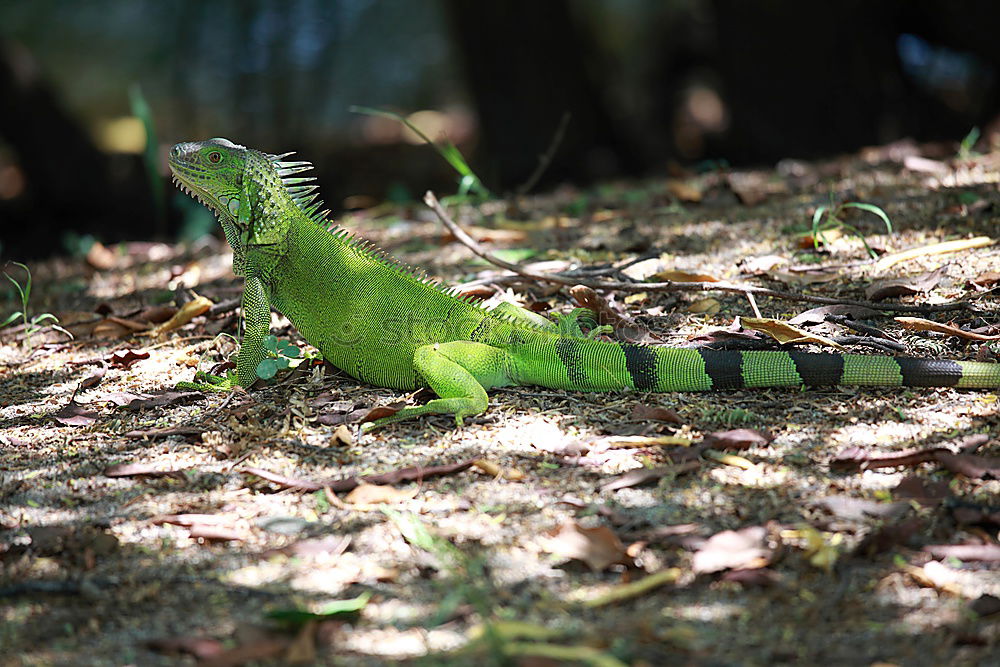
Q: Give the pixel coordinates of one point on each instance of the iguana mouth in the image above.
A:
(196, 192)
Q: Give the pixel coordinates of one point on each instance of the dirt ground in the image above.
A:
(144, 525)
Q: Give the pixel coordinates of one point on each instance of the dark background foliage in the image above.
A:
(645, 83)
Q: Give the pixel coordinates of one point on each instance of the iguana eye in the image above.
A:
(215, 157)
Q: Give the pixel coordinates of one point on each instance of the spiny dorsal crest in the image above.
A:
(300, 188)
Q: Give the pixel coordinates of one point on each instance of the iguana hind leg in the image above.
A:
(459, 372)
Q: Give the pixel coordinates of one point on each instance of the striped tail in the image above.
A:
(589, 365)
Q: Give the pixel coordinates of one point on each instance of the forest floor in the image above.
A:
(144, 525)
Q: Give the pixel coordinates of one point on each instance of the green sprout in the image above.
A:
(33, 323)
(829, 217)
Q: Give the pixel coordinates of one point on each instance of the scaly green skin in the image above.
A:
(385, 324)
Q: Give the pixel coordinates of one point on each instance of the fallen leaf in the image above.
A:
(342, 436)
(683, 191)
(125, 358)
(761, 577)
(989, 553)
(706, 306)
(213, 533)
(925, 492)
(598, 547)
(117, 327)
(920, 324)
(74, 414)
(258, 649)
(985, 605)
(646, 475)
(970, 465)
(642, 412)
(100, 257)
(925, 165)
(804, 277)
(190, 310)
(934, 249)
(409, 474)
(94, 379)
(142, 470)
(857, 458)
(202, 648)
(732, 550)
(856, 509)
(377, 494)
(740, 438)
(756, 266)
(187, 520)
(925, 282)
(495, 470)
(890, 535)
(682, 277)
(331, 545)
(986, 279)
(819, 315)
(783, 332)
(159, 400)
(935, 574)
(378, 412)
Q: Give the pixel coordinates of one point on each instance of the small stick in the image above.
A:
(671, 286)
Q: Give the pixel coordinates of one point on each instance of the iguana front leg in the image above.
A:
(257, 321)
(459, 372)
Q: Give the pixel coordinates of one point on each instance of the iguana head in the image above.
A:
(244, 185)
(212, 172)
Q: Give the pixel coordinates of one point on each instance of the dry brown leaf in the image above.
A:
(739, 438)
(655, 413)
(933, 249)
(803, 278)
(920, 324)
(706, 306)
(75, 414)
(101, 257)
(733, 549)
(883, 289)
(598, 547)
(683, 191)
(682, 277)
(125, 358)
(783, 332)
(495, 470)
(188, 312)
(646, 475)
(377, 494)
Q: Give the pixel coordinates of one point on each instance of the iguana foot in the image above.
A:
(208, 382)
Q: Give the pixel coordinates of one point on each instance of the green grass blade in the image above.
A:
(446, 150)
(871, 208)
(10, 318)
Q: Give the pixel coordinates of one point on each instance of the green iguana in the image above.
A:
(386, 324)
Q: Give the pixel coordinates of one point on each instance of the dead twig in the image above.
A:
(669, 286)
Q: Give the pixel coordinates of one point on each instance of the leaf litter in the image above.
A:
(718, 500)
